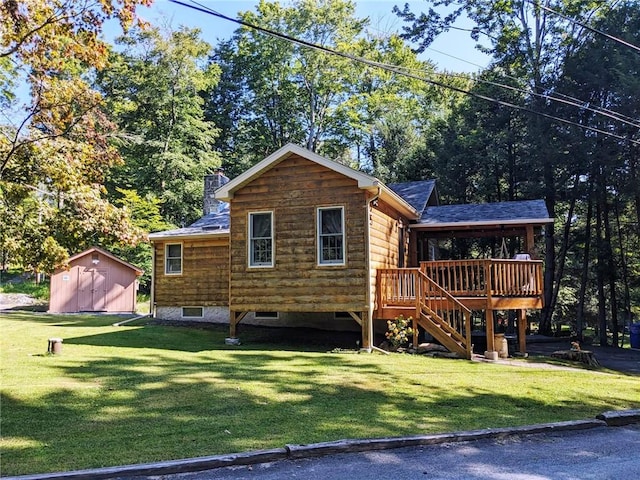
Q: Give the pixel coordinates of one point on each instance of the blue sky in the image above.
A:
(454, 43)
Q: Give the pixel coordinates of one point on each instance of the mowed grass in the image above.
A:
(142, 393)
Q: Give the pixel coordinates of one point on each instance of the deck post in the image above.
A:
(529, 241)
(367, 330)
(234, 320)
(522, 331)
(489, 325)
(488, 313)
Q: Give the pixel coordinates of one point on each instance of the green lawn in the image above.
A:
(121, 395)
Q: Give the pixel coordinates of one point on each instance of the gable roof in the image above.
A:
(110, 255)
(417, 194)
(213, 224)
(521, 212)
(365, 182)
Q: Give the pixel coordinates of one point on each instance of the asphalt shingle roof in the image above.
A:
(416, 193)
(213, 222)
(486, 212)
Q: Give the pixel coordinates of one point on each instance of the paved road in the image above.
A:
(600, 453)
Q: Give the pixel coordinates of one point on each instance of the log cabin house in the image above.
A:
(301, 240)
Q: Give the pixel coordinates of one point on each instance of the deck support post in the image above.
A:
(488, 313)
(522, 331)
(529, 241)
(414, 327)
(489, 325)
(234, 320)
(367, 330)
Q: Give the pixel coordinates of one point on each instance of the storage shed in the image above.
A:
(94, 281)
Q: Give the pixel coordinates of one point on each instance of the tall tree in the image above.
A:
(153, 88)
(605, 74)
(49, 45)
(532, 43)
(54, 149)
(273, 91)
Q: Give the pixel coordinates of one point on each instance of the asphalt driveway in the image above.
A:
(624, 360)
(599, 453)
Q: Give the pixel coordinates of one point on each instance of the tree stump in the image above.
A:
(582, 356)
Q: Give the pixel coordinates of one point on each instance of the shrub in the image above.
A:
(399, 331)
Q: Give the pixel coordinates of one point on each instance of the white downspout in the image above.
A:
(152, 312)
(369, 318)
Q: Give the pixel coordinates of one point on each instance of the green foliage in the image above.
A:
(39, 291)
(145, 215)
(273, 92)
(55, 150)
(399, 331)
(153, 89)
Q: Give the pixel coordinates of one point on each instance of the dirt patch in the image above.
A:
(18, 301)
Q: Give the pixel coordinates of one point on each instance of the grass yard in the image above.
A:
(132, 394)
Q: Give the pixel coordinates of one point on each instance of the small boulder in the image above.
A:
(431, 347)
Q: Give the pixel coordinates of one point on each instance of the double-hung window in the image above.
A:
(261, 239)
(173, 259)
(331, 236)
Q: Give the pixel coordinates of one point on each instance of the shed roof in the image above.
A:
(515, 212)
(102, 251)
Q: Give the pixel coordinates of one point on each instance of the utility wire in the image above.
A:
(538, 4)
(395, 69)
(555, 96)
(574, 102)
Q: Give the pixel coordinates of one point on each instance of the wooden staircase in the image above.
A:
(443, 316)
(432, 307)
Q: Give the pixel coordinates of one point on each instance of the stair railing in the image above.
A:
(447, 310)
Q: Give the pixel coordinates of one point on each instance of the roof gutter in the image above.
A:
(379, 189)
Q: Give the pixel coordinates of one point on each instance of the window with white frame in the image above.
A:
(173, 259)
(261, 239)
(331, 236)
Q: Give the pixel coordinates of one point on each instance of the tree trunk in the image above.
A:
(564, 246)
(600, 276)
(611, 272)
(584, 278)
(625, 275)
(550, 254)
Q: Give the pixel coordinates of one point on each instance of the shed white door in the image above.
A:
(92, 291)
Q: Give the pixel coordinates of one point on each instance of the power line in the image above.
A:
(538, 4)
(396, 69)
(554, 97)
(567, 100)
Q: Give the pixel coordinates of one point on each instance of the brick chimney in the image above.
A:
(211, 184)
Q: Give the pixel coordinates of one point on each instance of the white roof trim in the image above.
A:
(397, 202)
(106, 254)
(225, 192)
(479, 223)
(365, 182)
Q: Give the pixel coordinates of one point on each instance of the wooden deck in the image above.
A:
(439, 295)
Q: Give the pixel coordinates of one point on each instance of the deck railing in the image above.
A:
(442, 308)
(397, 287)
(495, 277)
(430, 304)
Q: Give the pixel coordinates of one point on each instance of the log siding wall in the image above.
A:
(384, 242)
(293, 190)
(204, 280)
